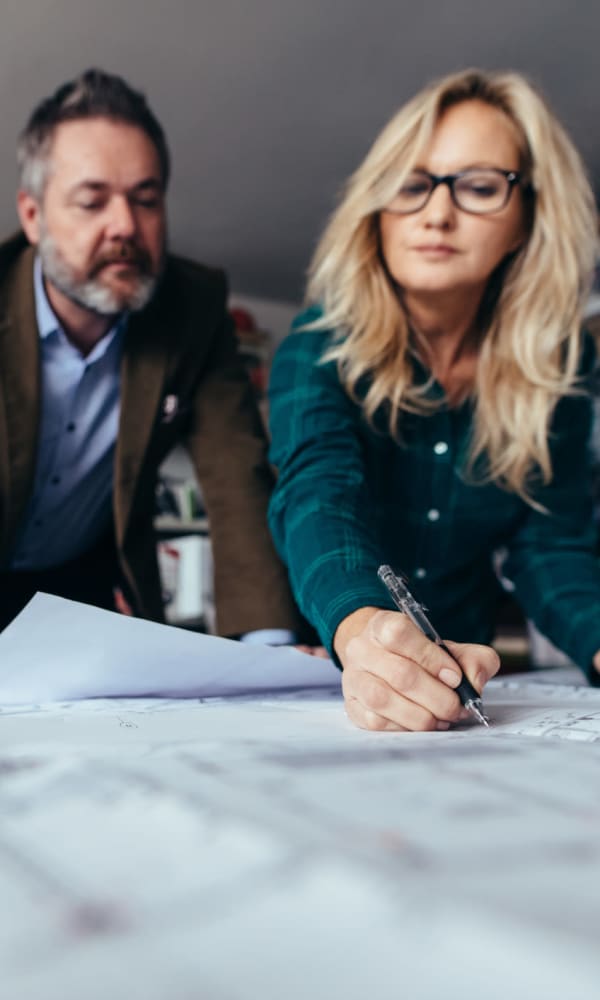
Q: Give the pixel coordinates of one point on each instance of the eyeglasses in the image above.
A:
(479, 191)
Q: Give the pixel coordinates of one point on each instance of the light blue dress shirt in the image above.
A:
(71, 505)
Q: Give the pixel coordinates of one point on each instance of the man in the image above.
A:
(112, 351)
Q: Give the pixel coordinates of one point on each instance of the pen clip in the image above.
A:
(405, 602)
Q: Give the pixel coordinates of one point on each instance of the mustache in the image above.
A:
(124, 253)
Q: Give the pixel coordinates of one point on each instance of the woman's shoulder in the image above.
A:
(306, 318)
(307, 340)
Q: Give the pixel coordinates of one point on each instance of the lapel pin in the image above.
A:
(169, 408)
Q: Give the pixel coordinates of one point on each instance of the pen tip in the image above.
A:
(476, 711)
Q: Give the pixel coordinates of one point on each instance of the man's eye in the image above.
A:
(148, 201)
(89, 206)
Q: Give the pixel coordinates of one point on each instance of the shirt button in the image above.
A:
(433, 514)
(71, 427)
(55, 480)
(440, 448)
(420, 573)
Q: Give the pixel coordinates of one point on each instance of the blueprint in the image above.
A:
(545, 709)
(259, 846)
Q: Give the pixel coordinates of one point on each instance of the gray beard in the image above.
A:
(91, 293)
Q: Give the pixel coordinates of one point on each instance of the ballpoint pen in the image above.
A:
(404, 601)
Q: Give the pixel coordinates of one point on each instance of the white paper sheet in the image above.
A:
(58, 650)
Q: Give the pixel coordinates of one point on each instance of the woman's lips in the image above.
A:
(441, 250)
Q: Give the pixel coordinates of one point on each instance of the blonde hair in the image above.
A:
(532, 314)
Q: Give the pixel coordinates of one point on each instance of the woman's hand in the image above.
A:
(394, 678)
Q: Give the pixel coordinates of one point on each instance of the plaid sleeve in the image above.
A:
(319, 512)
(551, 558)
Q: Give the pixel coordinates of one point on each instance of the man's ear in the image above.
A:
(29, 214)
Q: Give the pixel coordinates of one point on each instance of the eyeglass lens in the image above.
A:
(477, 191)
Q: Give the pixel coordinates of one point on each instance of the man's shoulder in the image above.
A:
(190, 298)
(190, 275)
(16, 275)
(13, 249)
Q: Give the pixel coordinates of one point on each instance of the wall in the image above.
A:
(270, 104)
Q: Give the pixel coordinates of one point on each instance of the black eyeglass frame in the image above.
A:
(513, 177)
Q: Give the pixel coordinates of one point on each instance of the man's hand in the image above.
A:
(596, 661)
(122, 605)
(394, 678)
(318, 651)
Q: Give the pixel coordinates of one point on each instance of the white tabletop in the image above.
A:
(261, 847)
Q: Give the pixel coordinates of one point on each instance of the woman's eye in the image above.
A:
(482, 190)
(414, 187)
(480, 186)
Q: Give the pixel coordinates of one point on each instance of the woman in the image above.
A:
(431, 406)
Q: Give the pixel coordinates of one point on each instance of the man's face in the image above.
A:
(100, 227)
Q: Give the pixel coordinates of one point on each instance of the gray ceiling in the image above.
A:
(269, 104)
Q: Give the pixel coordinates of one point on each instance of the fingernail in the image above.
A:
(449, 677)
(480, 680)
(442, 725)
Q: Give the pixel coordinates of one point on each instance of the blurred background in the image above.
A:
(270, 104)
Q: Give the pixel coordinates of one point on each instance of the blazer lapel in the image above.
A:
(19, 392)
(143, 373)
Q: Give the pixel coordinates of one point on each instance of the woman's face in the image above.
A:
(441, 248)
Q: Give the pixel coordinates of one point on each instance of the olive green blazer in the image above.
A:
(181, 383)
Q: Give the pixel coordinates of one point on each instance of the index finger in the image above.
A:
(396, 633)
(479, 663)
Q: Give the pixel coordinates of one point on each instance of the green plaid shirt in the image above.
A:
(349, 498)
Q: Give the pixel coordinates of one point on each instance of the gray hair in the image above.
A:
(93, 94)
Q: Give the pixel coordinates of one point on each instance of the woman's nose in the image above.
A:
(440, 210)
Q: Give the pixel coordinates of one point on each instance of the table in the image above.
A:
(262, 847)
